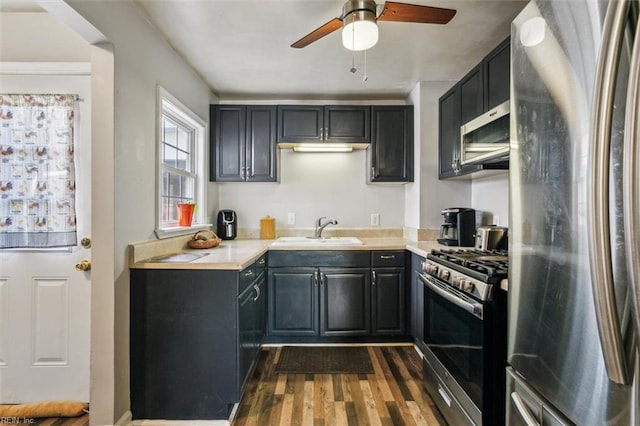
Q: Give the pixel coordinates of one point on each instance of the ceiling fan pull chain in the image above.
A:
(365, 78)
(353, 62)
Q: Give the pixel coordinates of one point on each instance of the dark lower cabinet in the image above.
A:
(344, 302)
(193, 341)
(293, 302)
(417, 300)
(388, 301)
(341, 296)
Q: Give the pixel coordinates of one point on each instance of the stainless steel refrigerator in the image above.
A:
(574, 235)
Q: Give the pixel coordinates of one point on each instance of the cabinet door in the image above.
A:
(260, 144)
(449, 132)
(388, 303)
(261, 309)
(497, 74)
(344, 302)
(293, 301)
(246, 330)
(347, 124)
(391, 152)
(228, 153)
(417, 300)
(471, 95)
(300, 123)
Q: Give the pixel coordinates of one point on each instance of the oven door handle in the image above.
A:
(473, 308)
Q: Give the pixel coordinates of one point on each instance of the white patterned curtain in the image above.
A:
(37, 175)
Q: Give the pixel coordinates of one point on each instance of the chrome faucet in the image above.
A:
(320, 226)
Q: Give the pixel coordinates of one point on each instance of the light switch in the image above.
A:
(375, 219)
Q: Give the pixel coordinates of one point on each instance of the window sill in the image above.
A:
(181, 230)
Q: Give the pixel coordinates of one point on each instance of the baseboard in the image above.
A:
(181, 422)
(125, 420)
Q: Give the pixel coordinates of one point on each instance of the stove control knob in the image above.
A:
(432, 269)
(468, 286)
(457, 282)
(444, 275)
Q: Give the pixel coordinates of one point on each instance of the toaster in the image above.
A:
(491, 238)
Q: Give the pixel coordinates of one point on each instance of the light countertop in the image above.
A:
(238, 254)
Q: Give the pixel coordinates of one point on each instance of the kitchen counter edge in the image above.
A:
(238, 254)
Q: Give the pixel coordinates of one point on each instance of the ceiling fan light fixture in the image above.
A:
(360, 31)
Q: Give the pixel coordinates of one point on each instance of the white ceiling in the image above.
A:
(242, 47)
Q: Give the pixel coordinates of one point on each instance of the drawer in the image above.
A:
(387, 258)
(320, 258)
(247, 276)
(261, 264)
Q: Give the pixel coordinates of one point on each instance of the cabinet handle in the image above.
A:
(247, 173)
(321, 133)
(261, 262)
(321, 280)
(388, 256)
(248, 273)
(257, 289)
(373, 172)
(315, 278)
(373, 277)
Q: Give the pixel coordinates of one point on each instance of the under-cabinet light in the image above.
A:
(322, 148)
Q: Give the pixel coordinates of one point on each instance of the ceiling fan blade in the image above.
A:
(318, 33)
(404, 12)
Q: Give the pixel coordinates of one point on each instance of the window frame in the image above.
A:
(176, 111)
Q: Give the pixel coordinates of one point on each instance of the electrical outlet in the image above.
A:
(291, 218)
(375, 219)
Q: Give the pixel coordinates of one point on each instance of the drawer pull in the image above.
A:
(388, 256)
(445, 396)
(261, 262)
(248, 273)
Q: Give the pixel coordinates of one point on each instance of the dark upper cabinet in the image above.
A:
(497, 69)
(471, 89)
(484, 87)
(244, 143)
(330, 123)
(449, 133)
(344, 302)
(391, 151)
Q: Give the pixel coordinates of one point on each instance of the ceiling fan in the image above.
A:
(359, 21)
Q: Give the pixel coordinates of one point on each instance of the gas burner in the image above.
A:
(484, 265)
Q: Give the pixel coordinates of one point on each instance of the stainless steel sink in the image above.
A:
(176, 258)
(311, 241)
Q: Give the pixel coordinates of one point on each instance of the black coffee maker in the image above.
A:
(459, 227)
(227, 224)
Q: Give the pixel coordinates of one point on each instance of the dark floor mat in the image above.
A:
(324, 360)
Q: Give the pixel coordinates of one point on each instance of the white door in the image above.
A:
(45, 303)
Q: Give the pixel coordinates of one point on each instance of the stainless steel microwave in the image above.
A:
(485, 139)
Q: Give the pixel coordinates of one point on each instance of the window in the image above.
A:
(181, 168)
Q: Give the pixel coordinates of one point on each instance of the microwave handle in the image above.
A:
(474, 308)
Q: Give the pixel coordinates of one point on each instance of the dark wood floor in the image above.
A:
(393, 395)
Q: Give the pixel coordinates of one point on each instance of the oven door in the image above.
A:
(454, 333)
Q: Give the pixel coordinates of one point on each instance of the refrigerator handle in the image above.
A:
(598, 214)
(631, 179)
(524, 412)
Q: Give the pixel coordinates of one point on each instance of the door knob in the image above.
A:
(85, 265)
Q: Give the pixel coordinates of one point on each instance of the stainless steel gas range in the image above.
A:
(465, 334)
